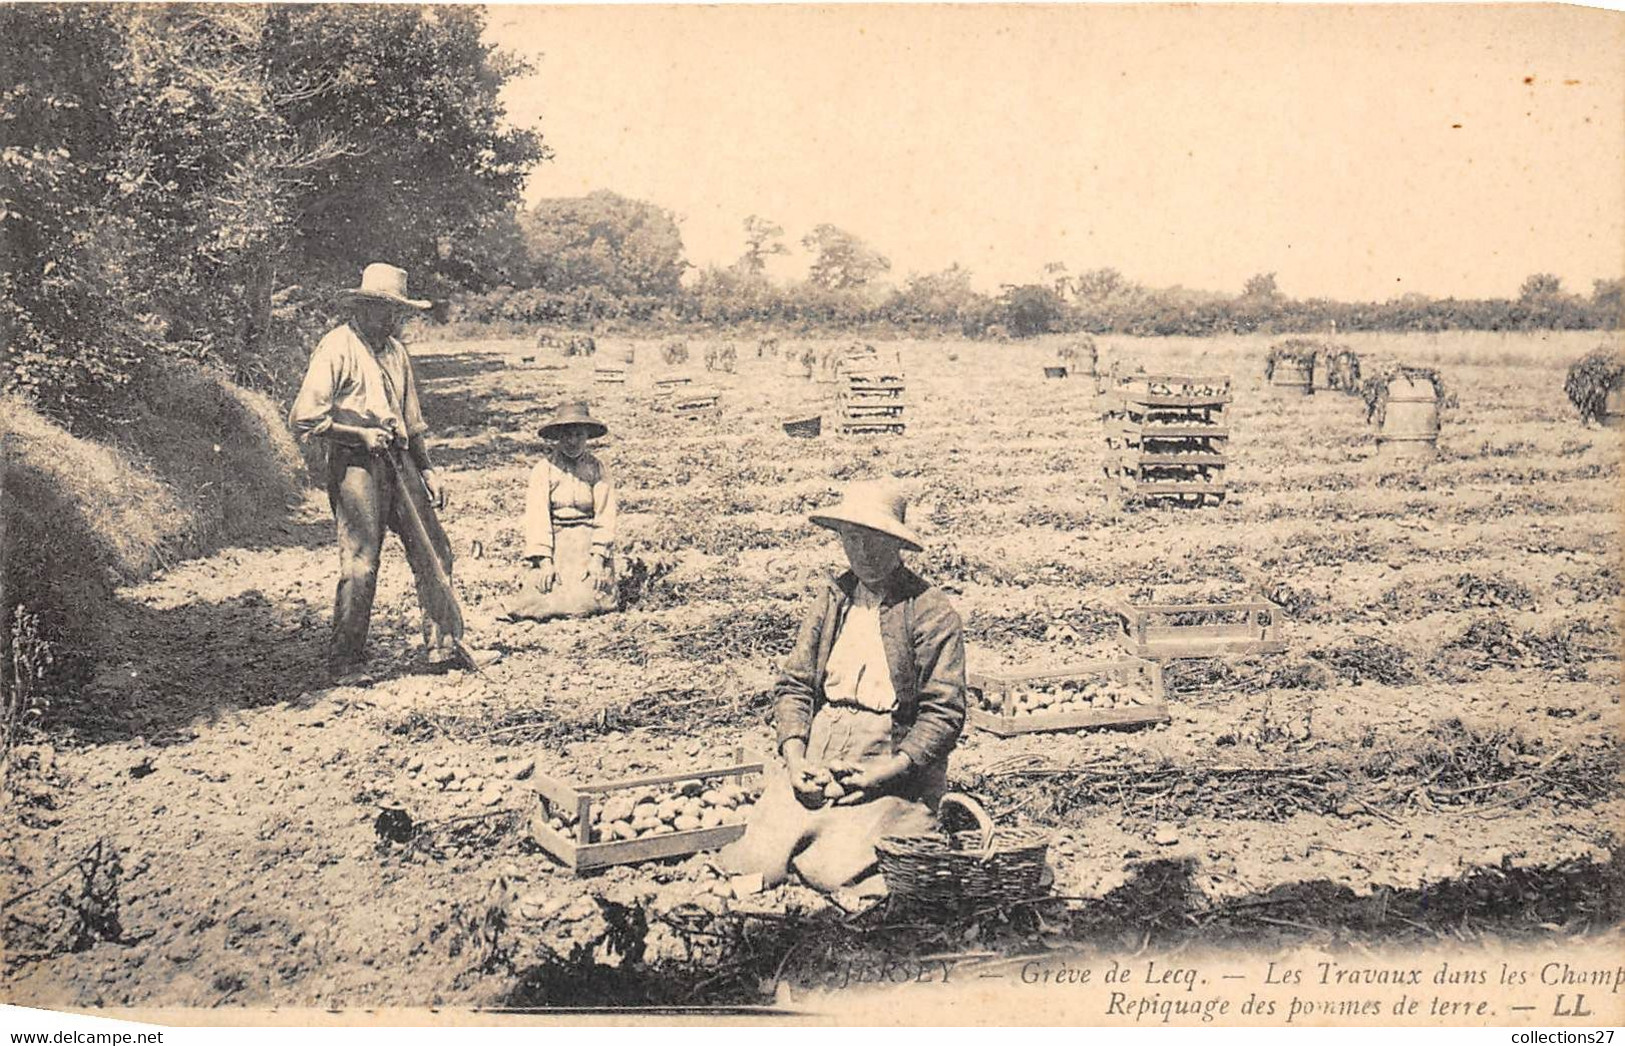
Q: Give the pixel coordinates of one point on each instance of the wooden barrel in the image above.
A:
(1321, 376)
(1291, 379)
(1410, 423)
(1613, 409)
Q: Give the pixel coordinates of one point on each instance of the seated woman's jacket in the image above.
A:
(925, 651)
(565, 493)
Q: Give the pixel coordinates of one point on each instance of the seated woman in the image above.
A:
(569, 525)
(870, 702)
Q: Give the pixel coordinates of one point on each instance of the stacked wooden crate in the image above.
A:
(1166, 437)
(871, 393)
(695, 402)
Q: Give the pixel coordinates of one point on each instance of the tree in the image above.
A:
(762, 239)
(1540, 285)
(1608, 302)
(1099, 285)
(1056, 271)
(843, 261)
(1031, 309)
(603, 240)
(215, 160)
(938, 297)
(1261, 288)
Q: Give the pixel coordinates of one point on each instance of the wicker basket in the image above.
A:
(983, 868)
(805, 428)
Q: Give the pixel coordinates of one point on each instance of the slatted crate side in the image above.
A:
(1142, 430)
(1145, 459)
(589, 852)
(1051, 722)
(862, 428)
(1006, 722)
(1176, 384)
(1145, 631)
(1006, 684)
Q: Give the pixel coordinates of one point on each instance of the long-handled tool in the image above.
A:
(423, 551)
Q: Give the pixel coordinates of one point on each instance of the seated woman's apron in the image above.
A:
(574, 594)
(834, 846)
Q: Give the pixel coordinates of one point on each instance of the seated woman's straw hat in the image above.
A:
(873, 506)
(380, 282)
(571, 415)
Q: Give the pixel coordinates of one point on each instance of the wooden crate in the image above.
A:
(891, 387)
(1137, 431)
(697, 403)
(1174, 390)
(1003, 688)
(1149, 632)
(669, 386)
(857, 411)
(609, 376)
(579, 801)
(860, 428)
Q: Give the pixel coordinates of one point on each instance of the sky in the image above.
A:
(1358, 153)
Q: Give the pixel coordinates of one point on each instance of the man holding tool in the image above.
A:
(360, 395)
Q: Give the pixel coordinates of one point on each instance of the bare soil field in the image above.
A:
(1434, 756)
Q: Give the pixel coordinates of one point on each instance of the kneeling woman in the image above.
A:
(569, 525)
(869, 704)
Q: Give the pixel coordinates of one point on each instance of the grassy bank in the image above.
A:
(200, 462)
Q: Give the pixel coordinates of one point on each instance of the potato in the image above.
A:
(661, 829)
(555, 823)
(686, 823)
(833, 790)
(711, 818)
(691, 807)
(668, 810)
(618, 808)
(690, 787)
(622, 830)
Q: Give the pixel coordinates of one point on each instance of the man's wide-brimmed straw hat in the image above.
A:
(573, 415)
(871, 506)
(380, 282)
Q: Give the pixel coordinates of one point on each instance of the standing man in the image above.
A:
(360, 395)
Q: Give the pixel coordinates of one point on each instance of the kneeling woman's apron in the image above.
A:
(834, 846)
(574, 594)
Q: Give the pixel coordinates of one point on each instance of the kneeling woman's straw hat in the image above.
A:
(380, 282)
(569, 416)
(873, 507)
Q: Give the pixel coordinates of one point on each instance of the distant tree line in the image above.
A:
(607, 258)
(190, 180)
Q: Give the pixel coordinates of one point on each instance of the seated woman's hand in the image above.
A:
(543, 576)
(870, 778)
(808, 780)
(598, 574)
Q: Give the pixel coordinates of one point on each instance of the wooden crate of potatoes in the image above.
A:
(589, 826)
(1172, 630)
(696, 403)
(1166, 437)
(1074, 697)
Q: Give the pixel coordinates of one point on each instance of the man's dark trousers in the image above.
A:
(365, 496)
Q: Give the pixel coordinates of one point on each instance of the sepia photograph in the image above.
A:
(861, 514)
